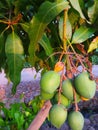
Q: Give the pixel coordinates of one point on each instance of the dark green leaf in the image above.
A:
(47, 12)
(20, 5)
(2, 51)
(45, 43)
(1, 42)
(93, 11)
(82, 34)
(15, 59)
(73, 16)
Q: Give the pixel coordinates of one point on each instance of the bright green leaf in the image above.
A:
(93, 45)
(15, 59)
(76, 6)
(2, 122)
(19, 119)
(47, 12)
(45, 43)
(82, 34)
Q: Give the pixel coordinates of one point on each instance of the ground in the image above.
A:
(29, 87)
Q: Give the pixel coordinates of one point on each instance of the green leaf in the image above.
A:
(76, 6)
(20, 6)
(2, 50)
(25, 26)
(2, 122)
(45, 43)
(82, 4)
(1, 42)
(68, 28)
(93, 45)
(19, 119)
(82, 34)
(15, 59)
(47, 12)
(73, 16)
(93, 11)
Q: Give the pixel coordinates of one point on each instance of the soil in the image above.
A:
(30, 88)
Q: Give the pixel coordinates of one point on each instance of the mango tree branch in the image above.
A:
(41, 116)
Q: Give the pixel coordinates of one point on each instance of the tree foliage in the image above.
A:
(42, 28)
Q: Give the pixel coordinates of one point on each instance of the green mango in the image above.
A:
(57, 115)
(84, 85)
(67, 89)
(46, 96)
(50, 81)
(63, 100)
(76, 120)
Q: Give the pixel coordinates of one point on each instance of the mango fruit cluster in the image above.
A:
(84, 87)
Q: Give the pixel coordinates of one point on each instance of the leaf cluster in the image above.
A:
(40, 27)
(19, 115)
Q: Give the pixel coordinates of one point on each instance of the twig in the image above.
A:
(75, 100)
(60, 88)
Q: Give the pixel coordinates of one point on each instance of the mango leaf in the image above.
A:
(73, 16)
(76, 6)
(1, 42)
(82, 34)
(25, 26)
(93, 11)
(68, 28)
(82, 4)
(93, 45)
(15, 59)
(2, 50)
(47, 12)
(45, 43)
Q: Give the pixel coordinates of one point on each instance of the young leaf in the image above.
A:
(47, 12)
(93, 11)
(93, 45)
(45, 43)
(76, 6)
(15, 59)
(82, 34)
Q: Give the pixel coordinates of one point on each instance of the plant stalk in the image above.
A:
(64, 30)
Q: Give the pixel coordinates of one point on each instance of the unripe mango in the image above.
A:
(50, 81)
(46, 96)
(63, 100)
(84, 85)
(76, 120)
(57, 115)
(67, 89)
